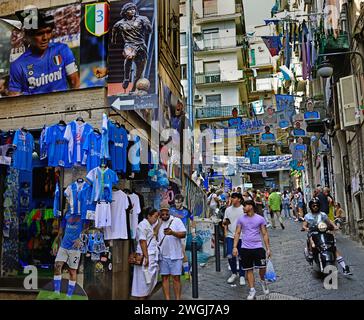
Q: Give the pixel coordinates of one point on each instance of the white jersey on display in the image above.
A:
(118, 229)
(135, 213)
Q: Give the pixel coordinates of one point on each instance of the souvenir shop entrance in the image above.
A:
(64, 170)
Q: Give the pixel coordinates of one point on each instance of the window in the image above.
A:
(213, 100)
(183, 37)
(183, 72)
(211, 67)
(210, 38)
(209, 7)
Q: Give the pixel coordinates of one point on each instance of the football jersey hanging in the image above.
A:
(118, 138)
(57, 146)
(72, 195)
(102, 180)
(92, 149)
(76, 134)
(23, 155)
(118, 228)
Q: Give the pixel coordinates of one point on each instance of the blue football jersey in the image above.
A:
(32, 74)
(118, 138)
(92, 148)
(24, 143)
(102, 181)
(57, 146)
(183, 214)
(72, 225)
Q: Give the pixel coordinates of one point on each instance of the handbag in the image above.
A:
(137, 258)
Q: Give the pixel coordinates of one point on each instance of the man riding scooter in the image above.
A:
(312, 220)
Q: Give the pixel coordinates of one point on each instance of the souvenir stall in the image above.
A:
(67, 169)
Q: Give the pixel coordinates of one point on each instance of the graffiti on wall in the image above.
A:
(195, 199)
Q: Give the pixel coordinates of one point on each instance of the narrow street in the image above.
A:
(295, 279)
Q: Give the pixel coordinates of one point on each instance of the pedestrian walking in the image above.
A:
(213, 201)
(171, 231)
(339, 215)
(252, 254)
(145, 277)
(324, 202)
(274, 203)
(300, 204)
(257, 197)
(286, 205)
(266, 209)
(232, 215)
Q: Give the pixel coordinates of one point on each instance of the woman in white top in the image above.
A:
(148, 246)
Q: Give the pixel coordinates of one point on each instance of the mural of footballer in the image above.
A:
(44, 67)
(133, 28)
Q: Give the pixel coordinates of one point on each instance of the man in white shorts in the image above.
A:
(68, 252)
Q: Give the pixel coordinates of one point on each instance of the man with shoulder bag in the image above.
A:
(170, 235)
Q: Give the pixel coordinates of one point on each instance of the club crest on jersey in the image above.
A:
(57, 60)
(30, 66)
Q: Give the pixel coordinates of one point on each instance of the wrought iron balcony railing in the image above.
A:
(220, 111)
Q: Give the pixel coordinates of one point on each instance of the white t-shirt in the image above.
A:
(233, 214)
(118, 229)
(213, 203)
(172, 246)
(134, 214)
(145, 231)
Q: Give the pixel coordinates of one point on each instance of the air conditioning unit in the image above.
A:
(349, 101)
(196, 30)
(198, 97)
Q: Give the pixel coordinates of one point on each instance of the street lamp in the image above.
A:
(325, 69)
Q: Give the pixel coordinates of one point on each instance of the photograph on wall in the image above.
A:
(310, 114)
(132, 74)
(56, 54)
(270, 116)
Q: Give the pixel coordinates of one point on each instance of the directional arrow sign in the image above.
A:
(118, 103)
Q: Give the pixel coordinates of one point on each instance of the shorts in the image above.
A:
(71, 257)
(300, 205)
(103, 215)
(170, 267)
(253, 258)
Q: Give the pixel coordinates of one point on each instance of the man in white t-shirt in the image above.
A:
(232, 215)
(213, 201)
(170, 233)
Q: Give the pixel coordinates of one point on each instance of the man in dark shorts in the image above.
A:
(252, 254)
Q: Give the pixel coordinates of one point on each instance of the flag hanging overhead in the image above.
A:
(97, 18)
(273, 44)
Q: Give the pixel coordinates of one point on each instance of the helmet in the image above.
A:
(317, 202)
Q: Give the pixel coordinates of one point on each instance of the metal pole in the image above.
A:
(190, 67)
(194, 269)
(217, 249)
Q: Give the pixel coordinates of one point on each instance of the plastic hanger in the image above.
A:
(80, 180)
(62, 123)
(80, 119)
(97, 130)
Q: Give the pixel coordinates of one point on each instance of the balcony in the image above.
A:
(214, 44)
(219, 112)
(212, 14)
(208, 77)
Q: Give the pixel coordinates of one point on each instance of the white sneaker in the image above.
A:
(232, 278)
(265, 287)
(251, 295)
(229, 268)
(269, 225)
(242, 281)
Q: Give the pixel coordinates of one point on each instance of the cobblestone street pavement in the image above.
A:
(295, 277)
